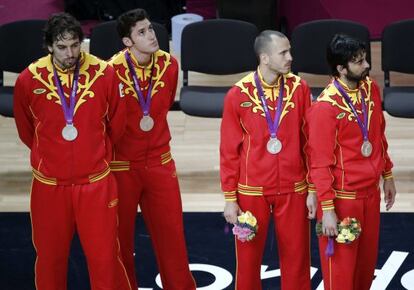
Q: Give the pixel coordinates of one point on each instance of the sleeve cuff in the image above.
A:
(311, 188)
(230, 196)
(387, 175)
(327, 204)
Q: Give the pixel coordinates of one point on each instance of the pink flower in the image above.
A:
(243, 233)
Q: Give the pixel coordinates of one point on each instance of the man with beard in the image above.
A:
(68, 111)
(262, 164)
(143, 165)
(348, 156)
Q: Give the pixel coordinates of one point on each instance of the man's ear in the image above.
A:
(341, 69)
(127, 41)
(50, 49)
(264, 58)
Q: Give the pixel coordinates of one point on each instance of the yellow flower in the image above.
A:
(242, 218)
(251, 220)
(345, 232)
(340, 239)
(250, 237)
(247, 218)
(351, 237)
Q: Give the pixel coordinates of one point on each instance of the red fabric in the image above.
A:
(136, 145)
(244, 158)
(156, 191)
(268, 185)
(289, 214)
(335, 141)
(57, 210)
(352, 266)
(99, 118)
(147, 174)
(91, 209)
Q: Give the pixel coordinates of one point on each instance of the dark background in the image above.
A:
(207, 244)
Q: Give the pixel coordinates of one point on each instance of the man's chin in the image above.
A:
(286, 71)
(69, 64)
(67, 67)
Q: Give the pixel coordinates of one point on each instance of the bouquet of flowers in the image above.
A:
(246, 227)
(349, 229)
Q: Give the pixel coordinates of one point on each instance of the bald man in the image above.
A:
(262, 165)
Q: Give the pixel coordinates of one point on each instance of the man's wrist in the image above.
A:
(327, 205)
(230, 196)
(387, 175)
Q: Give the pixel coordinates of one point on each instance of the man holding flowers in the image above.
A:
(348, 156)
(262, 166)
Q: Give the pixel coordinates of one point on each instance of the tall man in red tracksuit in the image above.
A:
(143, 166)
(68, 111)
(262, 164)
(348, 156)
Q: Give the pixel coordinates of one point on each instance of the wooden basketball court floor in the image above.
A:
(195, 148)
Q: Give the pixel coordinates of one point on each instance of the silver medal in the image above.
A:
(274, 146)
(366, 149)
(69, 132)
(146, 123)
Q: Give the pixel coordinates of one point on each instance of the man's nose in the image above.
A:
(69, 52)
(289, 56)
(366, 64)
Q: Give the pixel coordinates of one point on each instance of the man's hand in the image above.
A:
(389, 193)
(311, 203)
(231, 211)
(329, 223)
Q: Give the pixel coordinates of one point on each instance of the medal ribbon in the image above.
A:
(68, 111)
(273, 125)
(145, 103)
(363, 124)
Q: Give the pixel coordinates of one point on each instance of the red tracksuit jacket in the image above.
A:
(99, 117)
(336, 163)
(137, 148)
(246, 166)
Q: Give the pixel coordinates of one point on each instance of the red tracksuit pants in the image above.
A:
(289, 213)
(157, 192)
(352, 265)
(90, 209)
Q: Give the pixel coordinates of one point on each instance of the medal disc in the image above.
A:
(69, 132)
(366, 149)
(146, 123)
(274, 146)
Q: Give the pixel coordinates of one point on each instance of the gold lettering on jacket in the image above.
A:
(246, 104)
(39, 91)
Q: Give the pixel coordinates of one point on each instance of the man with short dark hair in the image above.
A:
(68, 111)
(262, 164)
(143, 165)
(348, 154)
